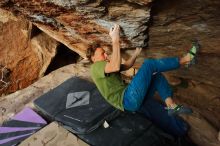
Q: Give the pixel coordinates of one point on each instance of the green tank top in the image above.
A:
(111, 86)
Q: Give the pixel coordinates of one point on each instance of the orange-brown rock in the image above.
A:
(27, 58)
(80, 24)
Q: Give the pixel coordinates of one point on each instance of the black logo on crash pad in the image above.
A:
(77, 99)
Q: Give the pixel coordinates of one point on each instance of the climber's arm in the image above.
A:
(130, 62)
(115, 61)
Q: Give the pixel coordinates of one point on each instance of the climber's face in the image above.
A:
(99, 55)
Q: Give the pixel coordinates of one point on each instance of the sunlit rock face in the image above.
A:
(23, 57)
(80, 23)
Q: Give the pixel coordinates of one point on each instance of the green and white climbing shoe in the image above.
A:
(179, 109)
(193, 53)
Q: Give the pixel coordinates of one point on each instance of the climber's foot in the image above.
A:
(191, 56)
(179, 109)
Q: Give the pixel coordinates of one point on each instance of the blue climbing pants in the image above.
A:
(138, 96)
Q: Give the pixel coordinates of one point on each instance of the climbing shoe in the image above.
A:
(193, 53)
(179, 109)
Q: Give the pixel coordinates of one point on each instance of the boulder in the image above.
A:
(81, 24)
(26, 56)
(174, 25)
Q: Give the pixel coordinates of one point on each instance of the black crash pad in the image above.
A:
(129, 130)
(76, 103)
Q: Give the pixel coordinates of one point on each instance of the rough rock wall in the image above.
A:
(174, 24)
(23, 56)
(80, 23)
